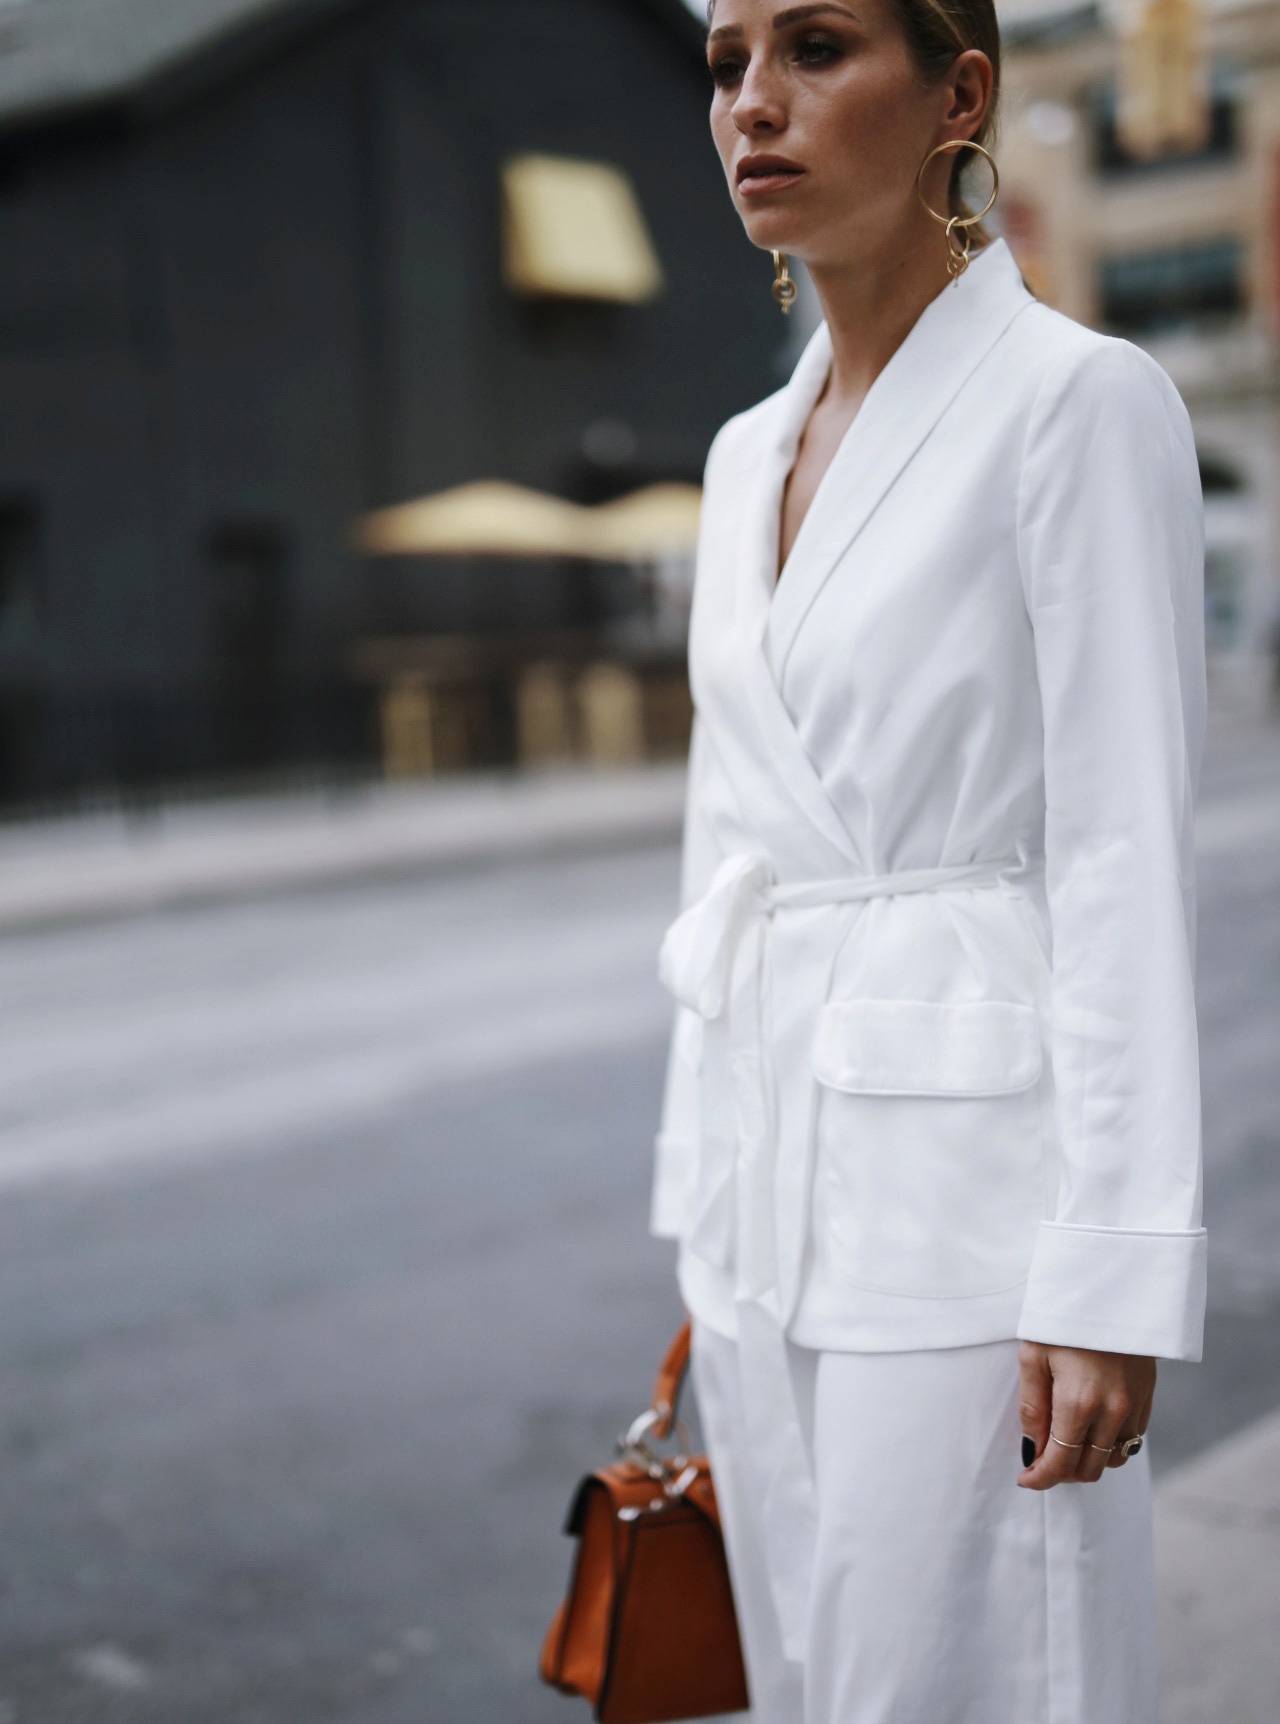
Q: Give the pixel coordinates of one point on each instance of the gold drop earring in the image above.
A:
(784, 289)
(958, 247)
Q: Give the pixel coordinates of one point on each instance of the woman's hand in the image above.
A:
(1087, 1397)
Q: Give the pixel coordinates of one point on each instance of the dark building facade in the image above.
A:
(253, 288)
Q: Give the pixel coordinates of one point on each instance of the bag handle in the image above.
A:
(670, 1380)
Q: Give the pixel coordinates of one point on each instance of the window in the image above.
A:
(1111, 160)
(1173, 287)
(21, 568)
(247, 599)
(247, 615)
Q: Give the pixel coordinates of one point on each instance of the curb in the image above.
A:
(1218, 1564)
(98, 867)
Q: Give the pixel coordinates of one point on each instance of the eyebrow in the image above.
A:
(790, 16)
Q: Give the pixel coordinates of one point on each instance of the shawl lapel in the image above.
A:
(738, 637)
(945, 345)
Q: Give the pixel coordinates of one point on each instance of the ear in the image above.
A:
(969, 85)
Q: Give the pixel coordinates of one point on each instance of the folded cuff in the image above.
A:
(1117, 1289)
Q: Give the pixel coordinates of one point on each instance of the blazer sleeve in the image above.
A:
(1111, 550)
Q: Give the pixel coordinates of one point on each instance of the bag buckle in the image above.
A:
(675, 1472)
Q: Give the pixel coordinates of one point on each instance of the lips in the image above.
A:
(768, 184)
(765, 175)
(767, 168)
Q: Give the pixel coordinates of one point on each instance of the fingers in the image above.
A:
(1059, 1460)
(1079, 1405)
(1103, 1435)
(1135, 1424)
(1035, 1398)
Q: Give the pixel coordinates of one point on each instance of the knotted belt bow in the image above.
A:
(712, 960)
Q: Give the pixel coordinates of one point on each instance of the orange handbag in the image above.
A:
(647, 1630)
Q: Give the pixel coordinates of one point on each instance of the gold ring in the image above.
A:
(1059, 1441)
(959, 144)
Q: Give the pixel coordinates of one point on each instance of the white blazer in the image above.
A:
(933, 1075)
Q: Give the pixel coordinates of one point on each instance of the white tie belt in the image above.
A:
(712, 960)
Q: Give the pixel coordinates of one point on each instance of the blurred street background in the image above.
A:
(359, 360)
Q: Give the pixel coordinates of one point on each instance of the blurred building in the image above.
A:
(271, 264)
(1178, 250)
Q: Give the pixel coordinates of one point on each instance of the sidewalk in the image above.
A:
(91, 866)
(1218, 1554)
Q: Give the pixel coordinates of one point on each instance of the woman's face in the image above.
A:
(830, 86)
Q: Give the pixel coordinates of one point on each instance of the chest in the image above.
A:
(821, 438)
(880, 604)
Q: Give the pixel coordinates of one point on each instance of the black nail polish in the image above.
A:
(1028, 1450)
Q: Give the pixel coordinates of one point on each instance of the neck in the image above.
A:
(870, 306)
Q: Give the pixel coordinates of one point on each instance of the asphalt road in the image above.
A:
(324, 1273)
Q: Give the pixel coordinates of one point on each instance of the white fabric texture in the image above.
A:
(988, 639)
(941, 1592)
(933, 1078)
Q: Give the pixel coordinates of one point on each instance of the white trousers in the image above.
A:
(942, 1593)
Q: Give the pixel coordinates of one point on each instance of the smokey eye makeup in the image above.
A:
(810, 50)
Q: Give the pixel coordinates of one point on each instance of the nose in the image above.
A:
(758, 105)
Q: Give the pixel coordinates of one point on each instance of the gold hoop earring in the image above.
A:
(958, 248)
(784, 289)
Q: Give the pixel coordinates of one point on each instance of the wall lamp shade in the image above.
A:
(574, 229)
(493, 518)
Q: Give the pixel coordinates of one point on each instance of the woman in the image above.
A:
(931, 1130)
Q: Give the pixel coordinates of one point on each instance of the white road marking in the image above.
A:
(176, 1041)
(112, 1667)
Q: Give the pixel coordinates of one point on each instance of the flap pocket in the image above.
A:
(927, 1047)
